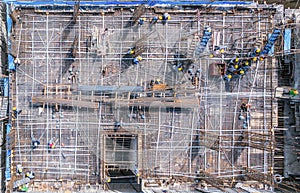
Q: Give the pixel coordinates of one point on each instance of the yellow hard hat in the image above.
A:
(160, 17)
(144, 19)
(14, 108)
(246, 63)
(236, 66)
(108, 180)
(139, 58)
(237, 59)
(229, 76)
(242, 72)
(261, 58)
(257, 50)
(211, 55)
(131, 52)
(222, 50)
(158, 80)
(180, 69)
(296, 92)
(169, 17)
(254, 59)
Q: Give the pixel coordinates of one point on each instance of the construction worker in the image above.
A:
(246, 66)
(198, 72)
(17, 61)
(117, 126)
(154, 20)
(19, 169)
(208, 29)
(157, 81)
(236, 60)
(256, 51)
(29, 175)
(293, 92)
(227, 77)
(241, 117)
(241, 72)
(141, 21)
(107, 179)
(23, 188)
(136, 171)
(220, 49)
(51, 145)
(165, 17)
(137, 60)
(35, 143)
(261, 58)
(231, 68)
(151, 83)
(246, 63)
(178, 67)
(16, 112)
(131, 50)
(14, 109)
(190, 72)
(245, 107)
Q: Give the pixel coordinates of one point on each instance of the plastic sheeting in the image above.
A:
(287, 40)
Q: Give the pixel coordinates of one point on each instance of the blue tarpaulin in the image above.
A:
(11, 64)
(287, 40)
(123, 3)
(271, 41)
(5, 87)
(203, 43)
(271, 52)
(8, 127)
